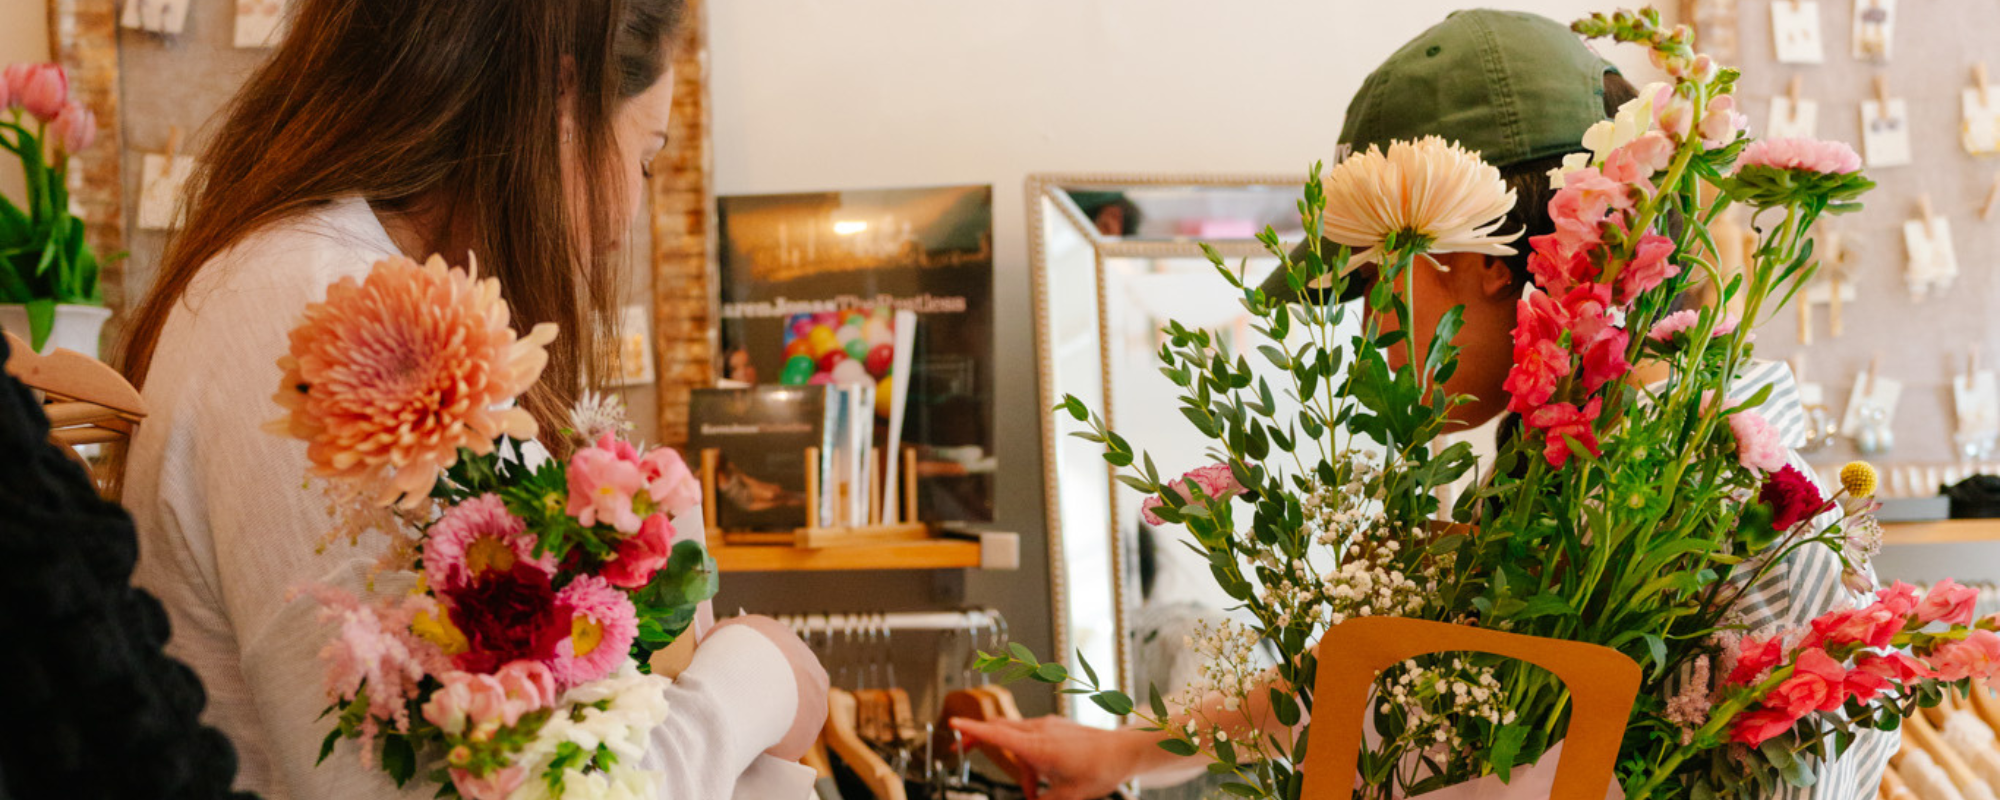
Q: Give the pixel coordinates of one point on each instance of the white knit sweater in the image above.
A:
(228, 528)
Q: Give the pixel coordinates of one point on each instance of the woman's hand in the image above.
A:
(806, 672)
(1079, 762)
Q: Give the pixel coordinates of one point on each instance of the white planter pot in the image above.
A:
(76, 328)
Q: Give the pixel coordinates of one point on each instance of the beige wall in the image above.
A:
(24, 36)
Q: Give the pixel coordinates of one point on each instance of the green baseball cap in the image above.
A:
(1509, 85)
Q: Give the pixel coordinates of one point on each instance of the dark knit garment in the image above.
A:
(90, 705)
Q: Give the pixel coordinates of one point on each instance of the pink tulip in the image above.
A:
(12, 83)
(43, 91)
(76, 128)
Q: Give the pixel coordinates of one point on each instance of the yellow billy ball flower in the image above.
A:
(1858, 478)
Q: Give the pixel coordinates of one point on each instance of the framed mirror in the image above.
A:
(1114, 257)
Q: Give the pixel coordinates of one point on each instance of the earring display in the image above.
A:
(1980, 130)
(1976, 397)
(157, 16)
(1874, 29)
(1871, 410)
(1885, 131)
(1795, 32)
(1933, 263)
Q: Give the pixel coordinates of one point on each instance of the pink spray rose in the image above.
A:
(1977, 656)
(42, 90)
(642, 554)
(603, 481)
(496, 785)
(1810, 155)
(75, 128)
(1948, 603)
(668, 481)
(1757, 444)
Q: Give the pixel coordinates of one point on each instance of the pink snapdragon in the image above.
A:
(1557, 268)
(1976, 656)
(1649, 267)
(1216, 481)
(1948, 603)
(1900, 598)
(1818, 683)
(1809, 155)
(1560, 420)
(1673, 324)
(1754, 659)
(1722, 123)
(476, 706)
(1873, 626)
(1640, 159)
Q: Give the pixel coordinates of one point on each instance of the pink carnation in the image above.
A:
(1757, 444)
(602, 627)
(1977, 656)
(603, 482)
(642, 554)
(1216, 481)
(476, 537)
(1948, 603)
(1810, 155)
(1673, 324)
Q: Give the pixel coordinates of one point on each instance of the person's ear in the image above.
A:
(1495, 276)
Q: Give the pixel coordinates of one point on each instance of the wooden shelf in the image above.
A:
(1944, 531)
(928, 554)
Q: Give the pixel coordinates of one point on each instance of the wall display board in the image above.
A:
(1920, 332)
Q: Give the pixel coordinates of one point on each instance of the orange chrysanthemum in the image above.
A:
(390, 376)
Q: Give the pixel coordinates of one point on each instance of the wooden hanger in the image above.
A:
(981, 706)
(1985, 704)
(845, 741)
(1893, 787)
(1923, 734)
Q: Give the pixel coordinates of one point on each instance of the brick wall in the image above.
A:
(683, 223)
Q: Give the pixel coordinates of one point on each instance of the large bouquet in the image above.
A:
(517, 665)
(1634, 517)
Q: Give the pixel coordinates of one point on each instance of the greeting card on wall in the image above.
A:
(157, 16)
(165, 184)
(1885, 132)
(810, 287)
(1792, 118)
(259, 23)
(1871, 411)
(1874, 29)
(1795, 32)
(1980, 129)
(1933, 263)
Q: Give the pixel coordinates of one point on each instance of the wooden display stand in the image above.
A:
(871, 546)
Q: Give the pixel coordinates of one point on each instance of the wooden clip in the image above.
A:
(1882, 96)
(173, 149)
(1874, 370)
(1992, 199)
(1794, 92)
(1929, 214)
(1979, 81)
(1833, 319)
(1805, 319)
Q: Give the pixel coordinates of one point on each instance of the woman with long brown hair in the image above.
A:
(517, 133)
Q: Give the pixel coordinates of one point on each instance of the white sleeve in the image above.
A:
(734, 702)
(770, 778)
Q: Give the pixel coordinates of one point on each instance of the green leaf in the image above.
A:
(1507, 749)
(1087, 671)
(1051, 672)
(1546, 605)
(1113, 702)
(398, 758)
(1022, 653)
(41, 321)
(1179, 747)
(326, 745)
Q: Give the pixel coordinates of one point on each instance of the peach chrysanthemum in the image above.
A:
(390, 376)
(1429, 188)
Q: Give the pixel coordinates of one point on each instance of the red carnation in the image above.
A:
(1792, 496)
(507, 617)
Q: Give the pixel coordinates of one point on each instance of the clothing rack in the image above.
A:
(823, 624)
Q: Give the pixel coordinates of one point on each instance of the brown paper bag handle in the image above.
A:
(1603, 681)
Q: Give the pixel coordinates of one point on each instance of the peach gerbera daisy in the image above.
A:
(1428, 188)
(388, 377)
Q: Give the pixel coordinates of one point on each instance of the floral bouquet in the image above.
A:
(1659, 519)
(44, 260)
(518, 664)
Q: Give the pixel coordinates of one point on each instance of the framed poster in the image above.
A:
(808, 286)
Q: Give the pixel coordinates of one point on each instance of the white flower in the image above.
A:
(634, 704)
(1430, 188)
(597, 414)
(1634, 118)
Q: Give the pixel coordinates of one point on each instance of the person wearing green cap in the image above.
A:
(1521, 90)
